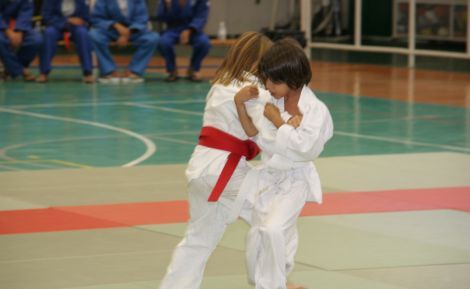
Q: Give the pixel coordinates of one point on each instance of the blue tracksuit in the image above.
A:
(193, 15)
(105, 14)
(20, 11)
(56, 23)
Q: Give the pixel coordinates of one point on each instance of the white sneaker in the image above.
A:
(109, 80)
(132, 80)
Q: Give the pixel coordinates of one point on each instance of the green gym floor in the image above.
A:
(93, 194)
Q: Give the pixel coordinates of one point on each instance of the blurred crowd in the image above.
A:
(95, 26)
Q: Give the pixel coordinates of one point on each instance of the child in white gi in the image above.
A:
(300, 125)
(208, 220)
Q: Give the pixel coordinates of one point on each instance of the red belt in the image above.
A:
(12, 24)
(67, 40)
(217, 139)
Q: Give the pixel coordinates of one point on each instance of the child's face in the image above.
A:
(277, 90)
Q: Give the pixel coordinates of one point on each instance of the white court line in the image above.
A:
(189, 112)
(405, 142)
(175, 132)
(176, 140)
(8, 168)
(32, 163)
(429, 117)
(150, 146)
(49, 105)
(4, 155)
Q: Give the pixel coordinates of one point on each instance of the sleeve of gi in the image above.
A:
(83, 11)
(140, 17)
(25, 14)
(48, 15)
(99, 16)
(3, 25)
(200, 15)
(307, 141)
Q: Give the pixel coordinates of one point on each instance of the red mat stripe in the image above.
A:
(133, 214)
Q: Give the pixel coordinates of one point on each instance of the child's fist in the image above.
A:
(246, 93)
(295, 120)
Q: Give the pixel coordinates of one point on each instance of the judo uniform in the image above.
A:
(208, 220)
(281, 185)
(55, 14)
(17, 15)
(193, 15)
(135, 16)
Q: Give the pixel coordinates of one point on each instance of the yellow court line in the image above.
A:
(66, 163)
(71, 164)
(21, 161)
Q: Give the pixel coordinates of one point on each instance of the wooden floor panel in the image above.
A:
(389, 82)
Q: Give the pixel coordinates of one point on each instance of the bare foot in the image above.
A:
(88, 79)
(42, 78)
(172, 76)
(194, 76)
(27, 76)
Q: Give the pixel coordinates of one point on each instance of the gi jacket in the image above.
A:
(192, 15)
(52, 13)
(19, 10)
(289, 148)
(106, 12)
(220, 112)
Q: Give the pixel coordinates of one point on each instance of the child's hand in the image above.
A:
(270, 110)
(272, 113)
(246, 93)
(295, 120)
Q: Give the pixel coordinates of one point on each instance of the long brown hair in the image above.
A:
(242, 57)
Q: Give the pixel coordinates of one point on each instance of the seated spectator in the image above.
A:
(19, 43)
(64, 19)
(185, 22)
(125, 22)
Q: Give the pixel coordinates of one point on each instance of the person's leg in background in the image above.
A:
(32, 42)
(201, 46)
(9, 59)
(82, 40)
(166, 47)
(50, 37)
(145, 42)
(108, 69)
(17, 64)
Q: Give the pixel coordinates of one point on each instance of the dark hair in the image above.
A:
(285, 62)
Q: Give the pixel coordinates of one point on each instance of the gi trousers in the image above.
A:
(79, 35)
(207, 224)
(199, 41)
(145, 42)
(15, 61)
(273, 238)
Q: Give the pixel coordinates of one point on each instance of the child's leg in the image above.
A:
(204, 231)
(272, 241)
(206, 227)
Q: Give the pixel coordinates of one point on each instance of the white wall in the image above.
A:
(245, 15)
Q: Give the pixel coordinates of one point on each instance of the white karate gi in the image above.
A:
(208, 220)
(281, 185)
